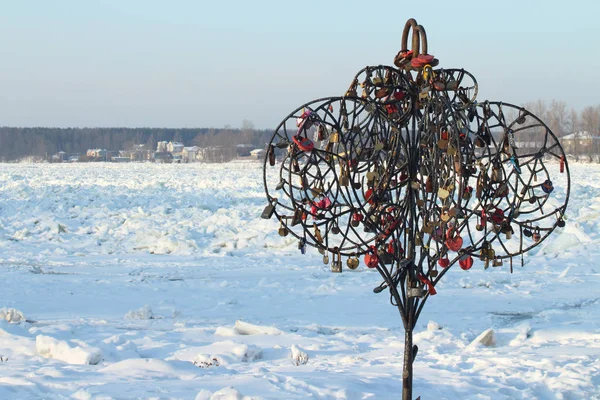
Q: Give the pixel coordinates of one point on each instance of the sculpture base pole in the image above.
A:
(409, 357)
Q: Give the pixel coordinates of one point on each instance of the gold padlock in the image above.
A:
(283, 231)
(334, 137)
(318, 236)
(352, 263)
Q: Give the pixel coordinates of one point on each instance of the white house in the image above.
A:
(175, 147)
(190, 154)
(161, 147)
(258, 154)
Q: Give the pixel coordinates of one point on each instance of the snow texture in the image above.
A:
(135, 277)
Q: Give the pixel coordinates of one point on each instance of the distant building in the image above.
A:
(97, 153)
(161, 147)
(258, 154)
(190, 154)
(175, 147)
(580, 142)
(61, 156)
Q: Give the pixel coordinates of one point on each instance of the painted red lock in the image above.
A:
(371, 258)
(303, 143)
(497, 216)
(466, 262)
(356, 219)
(390, 247)
(444, 262)
(453, 240)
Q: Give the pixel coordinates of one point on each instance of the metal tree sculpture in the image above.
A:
(414, 176)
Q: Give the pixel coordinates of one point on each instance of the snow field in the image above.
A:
(160, 281)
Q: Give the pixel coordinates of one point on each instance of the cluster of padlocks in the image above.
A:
(409, 173)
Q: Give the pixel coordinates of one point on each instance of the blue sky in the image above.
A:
(182, 63)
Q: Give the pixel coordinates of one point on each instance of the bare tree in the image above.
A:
(557, 117)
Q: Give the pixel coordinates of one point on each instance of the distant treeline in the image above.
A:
(17, 143)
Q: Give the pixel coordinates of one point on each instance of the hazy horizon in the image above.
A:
(193, 64)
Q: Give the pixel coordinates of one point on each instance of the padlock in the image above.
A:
(465, 262)
(297, 218)
(443, 193)
(283, 231)
(453, 240)
(336, 264)
(497, 262)
(344, 175)
(547, 186)
(442, 143)
(326, 259)
(496, 173)
(560, 223)
(418, 240)
(385, 257)
(444, 262)
(508, 231)
(480, 185)
(356, 219)
(427, 227)
(321, 132)
(334, 137)
(452, 151)
(537, 236)
(371, 258)
(352, 262)
(429, 185)
(271, 155)
(444, 216)
(484, 252)
(318, 236)
(532, 199)
(269, 210)
(416, 291)
(527, 232)
(497, 216)
(452, 85)
(468, 190)
(501, 191)
(302, 245)
(562, 164)
(295, 166)
(433, 273)
(335, 229)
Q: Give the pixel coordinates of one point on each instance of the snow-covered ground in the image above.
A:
(160, 281)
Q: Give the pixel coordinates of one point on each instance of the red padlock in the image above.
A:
(303, 143)
(371, 258)
(562, 164)
(444, 262)
(465, 262)
(497, 216)
(356, 219)
(453, 240)
(390, 247)
(369, 196)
